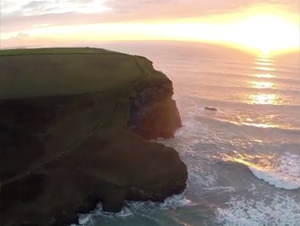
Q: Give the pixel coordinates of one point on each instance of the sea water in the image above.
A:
(244, 159)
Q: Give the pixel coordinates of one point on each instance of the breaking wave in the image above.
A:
(272, 211)
(130, 208)
(281, 171)
(285, 172)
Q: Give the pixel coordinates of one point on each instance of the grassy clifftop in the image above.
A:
(73, 124)
(62, 96)
(63, 71)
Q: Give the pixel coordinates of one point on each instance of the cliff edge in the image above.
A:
(75, 130)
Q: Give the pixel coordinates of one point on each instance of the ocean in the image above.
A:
(244, 159)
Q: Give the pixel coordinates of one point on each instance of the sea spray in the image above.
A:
(272, 211)
(285, 173)
(130, 208)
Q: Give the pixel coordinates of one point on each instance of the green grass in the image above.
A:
(107, 78)
(76, 142)
(14, 52)
(64, 71)
(50, 73)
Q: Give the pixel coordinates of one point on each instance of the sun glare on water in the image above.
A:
(261, 162)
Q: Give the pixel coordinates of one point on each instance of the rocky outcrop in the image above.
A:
(210, 109)
(153, 113)
(62, 155)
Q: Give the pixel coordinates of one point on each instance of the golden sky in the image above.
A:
(265, 25)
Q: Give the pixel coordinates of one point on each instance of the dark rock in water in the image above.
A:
(63, 154)
(210, 109)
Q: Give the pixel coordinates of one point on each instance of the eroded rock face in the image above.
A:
(153, 112)
(69, 164)
(96, 171)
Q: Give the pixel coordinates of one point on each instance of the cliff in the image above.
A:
(75, 126)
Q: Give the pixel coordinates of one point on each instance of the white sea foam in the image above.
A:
(253, 188)
(279, 170)
(272, 211)
(84, 219)
(221, 188)
(131, 208)
(285, 172)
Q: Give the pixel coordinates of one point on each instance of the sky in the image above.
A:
(263, 25)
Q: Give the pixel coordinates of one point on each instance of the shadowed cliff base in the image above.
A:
(74, 125)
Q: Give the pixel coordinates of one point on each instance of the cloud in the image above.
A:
(22, 40)
(40, 7)
(132, 5)
(17, 15)
(36, 6)
(20, 35)
(190, 8)
(31, 14)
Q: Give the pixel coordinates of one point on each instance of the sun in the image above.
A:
(265, 33)
(265, 51)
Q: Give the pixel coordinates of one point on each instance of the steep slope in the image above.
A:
(74, 125)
